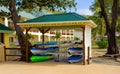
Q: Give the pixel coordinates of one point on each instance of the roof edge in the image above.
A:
(83, 21)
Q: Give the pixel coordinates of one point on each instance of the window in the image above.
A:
(11, 39)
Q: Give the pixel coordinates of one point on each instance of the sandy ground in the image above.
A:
(98, 57)
(57, 68)
(100, 65)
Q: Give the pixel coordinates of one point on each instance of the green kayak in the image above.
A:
(40, 58)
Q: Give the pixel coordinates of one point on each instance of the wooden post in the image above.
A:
(43, 31)
(83, 45)
(4, 53)
(88, 55)
(27, 46)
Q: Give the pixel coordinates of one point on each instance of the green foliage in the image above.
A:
(118, 24)
(30, 36)
(102, 44)
(118, 41)
(3, 13)
(57, 36)
(76, 38)
(100, 30)
(33, 5)
(95, 8)
(98, 19)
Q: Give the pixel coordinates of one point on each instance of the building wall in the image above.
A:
(78, 34)
(66, 35)
(7, 40)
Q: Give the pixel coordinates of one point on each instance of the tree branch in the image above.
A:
(41, 4)
(41, 30)
(28, 29)
(47, 30)
(27, 2)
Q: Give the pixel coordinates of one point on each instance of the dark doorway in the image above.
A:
(2, 37)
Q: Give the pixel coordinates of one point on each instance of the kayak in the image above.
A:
(40, 58)
(38, 51)
(74, 58)
(75, 50)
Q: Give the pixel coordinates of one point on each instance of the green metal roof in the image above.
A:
(58, 18)
(4, 29)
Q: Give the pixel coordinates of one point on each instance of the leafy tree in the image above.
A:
(19, 5)
(100, 30)
(30, 36)
(76, 38)
(108, 9)
(57, 36)
(3, 14)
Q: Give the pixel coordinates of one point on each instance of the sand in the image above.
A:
(57, 68)
(100, 65)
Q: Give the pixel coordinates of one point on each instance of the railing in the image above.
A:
(5, 50)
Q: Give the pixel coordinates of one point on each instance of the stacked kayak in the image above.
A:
(38, 51)
(44, 48)
(76, 54)
(47, 44)
(75, 50)
(74, 58)
(41, 58)
(41, 52)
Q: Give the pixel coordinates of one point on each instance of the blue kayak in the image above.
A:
(76, 48)
(74, 58)
(36, 51)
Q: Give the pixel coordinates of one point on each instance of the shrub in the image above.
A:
(102, 44)
(118, 41)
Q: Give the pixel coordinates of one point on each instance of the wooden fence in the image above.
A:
(5, 52)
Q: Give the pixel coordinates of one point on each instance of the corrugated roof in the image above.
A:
(4, 29)
(58, 18)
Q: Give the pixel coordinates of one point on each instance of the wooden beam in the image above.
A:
(28, 29)
(47, 30)
(27, 48)
(13, 49)
(83, 45)
(43, 31)
(88, 55)
(13, 55)
(4, 53)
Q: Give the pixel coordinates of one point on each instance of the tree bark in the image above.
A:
(19, 32)
(110, 28)
(112, 36)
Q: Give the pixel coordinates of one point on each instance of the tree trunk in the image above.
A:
(110, 28)
(112, 48)
(19, 32)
